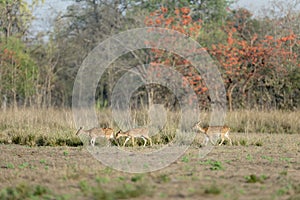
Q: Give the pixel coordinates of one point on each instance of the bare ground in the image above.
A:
(258, 166)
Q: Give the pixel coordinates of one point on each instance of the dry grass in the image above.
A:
(254, 121)
(274, 121)
(55, 127)
(46, 127)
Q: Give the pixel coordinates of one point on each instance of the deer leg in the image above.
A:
(145, 141)
(211, 141)
(206, 139)
(222, 140)
(150, 140)
(128, 138)
(227, 136)
(117, 142)
(109, 143)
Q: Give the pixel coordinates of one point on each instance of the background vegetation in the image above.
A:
(258, 56)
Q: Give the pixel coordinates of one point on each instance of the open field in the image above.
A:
(41, 158)
(268, 169)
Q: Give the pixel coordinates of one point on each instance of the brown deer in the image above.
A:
(221, 130)
(135, 133)
(94, 133)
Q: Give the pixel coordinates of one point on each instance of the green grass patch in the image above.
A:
(249, 157)
(10, 166)
(124, 191)
(255, 179)
(24, 165)
(163, 178)
(137, 178)
(214, 165)
(269, 158)
(24, 191)
(213, 189)
(185, 159)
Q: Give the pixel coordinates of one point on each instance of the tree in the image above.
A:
(15, 17)
(245, 56)
(244, 61)
(76, 33)
(18, 71)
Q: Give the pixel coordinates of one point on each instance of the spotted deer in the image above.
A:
(94, 133)
(135, 133)
(222, 131)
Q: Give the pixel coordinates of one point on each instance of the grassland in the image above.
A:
(41, 158)
(55, 127)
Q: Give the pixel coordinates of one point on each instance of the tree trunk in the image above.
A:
(4, 103)
(229, 95)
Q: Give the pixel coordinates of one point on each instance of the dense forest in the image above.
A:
(256, 55)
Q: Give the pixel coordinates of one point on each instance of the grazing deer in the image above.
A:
(109, 135)
(221, 130)
(94, 133)
(135, 133)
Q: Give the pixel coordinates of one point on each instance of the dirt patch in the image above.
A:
(258, 166)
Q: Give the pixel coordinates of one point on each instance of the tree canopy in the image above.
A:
(258, 57)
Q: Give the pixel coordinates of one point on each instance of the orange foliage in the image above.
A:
(243, 60)
(164, 9)
(185, 10)
(181, 21)
(240, 59)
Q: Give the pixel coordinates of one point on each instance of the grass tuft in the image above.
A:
(213, 189)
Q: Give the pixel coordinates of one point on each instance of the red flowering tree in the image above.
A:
(243, 58)
(181, 21)
(243, 61)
